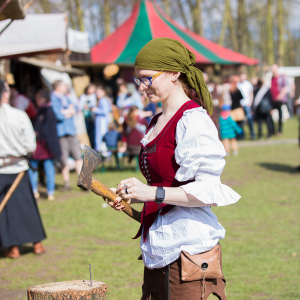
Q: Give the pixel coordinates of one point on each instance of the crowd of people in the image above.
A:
(115, 126)
(242, 102)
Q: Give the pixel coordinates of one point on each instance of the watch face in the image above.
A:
(160, 193)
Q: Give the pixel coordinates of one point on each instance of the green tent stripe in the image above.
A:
(140, 36)
(200, 48)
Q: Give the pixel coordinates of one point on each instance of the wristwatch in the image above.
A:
(160, 194)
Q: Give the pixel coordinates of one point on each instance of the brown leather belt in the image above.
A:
(11, 160)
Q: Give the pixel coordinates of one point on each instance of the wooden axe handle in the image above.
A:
(11, 190)
(102, 190)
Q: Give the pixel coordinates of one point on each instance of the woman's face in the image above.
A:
(161, 87)
(91, 90)
(40, 100)
(100, 93)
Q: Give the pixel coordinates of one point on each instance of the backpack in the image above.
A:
(264, 106)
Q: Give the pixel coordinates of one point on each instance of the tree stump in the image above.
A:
(71, 290)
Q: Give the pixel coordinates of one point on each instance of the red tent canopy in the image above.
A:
(148, 22)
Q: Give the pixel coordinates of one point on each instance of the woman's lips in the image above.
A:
(149, 94)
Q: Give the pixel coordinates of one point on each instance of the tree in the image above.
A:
(183, 14)
(280, 28)
(46, 6)
(241, 27)
(107, 17)
(270, 34)
(228, 22)
(71, 14)
(167, 7)
(198, 17)
(79, 14)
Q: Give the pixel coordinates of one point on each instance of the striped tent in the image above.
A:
(147, 22)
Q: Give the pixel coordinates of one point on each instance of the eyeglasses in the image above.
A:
(145, 80)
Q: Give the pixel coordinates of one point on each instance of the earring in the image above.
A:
(173, 79)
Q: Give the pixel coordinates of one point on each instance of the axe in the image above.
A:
(91, 160)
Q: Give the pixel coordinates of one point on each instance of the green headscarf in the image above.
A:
(164, 54)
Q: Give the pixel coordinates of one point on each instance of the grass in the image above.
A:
(260, 252)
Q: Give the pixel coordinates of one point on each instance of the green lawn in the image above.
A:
(261, 250)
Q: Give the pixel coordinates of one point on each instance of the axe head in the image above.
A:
(91, 160)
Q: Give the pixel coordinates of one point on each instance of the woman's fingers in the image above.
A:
(126, 196)
(126, 183)
(114, 190)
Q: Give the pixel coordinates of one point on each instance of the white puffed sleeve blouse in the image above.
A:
(200, 155)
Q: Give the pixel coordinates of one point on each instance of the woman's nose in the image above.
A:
(143, 87)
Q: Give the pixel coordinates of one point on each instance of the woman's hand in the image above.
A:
(115, 205)
(135, 189)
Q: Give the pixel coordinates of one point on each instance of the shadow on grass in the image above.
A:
(278, 167)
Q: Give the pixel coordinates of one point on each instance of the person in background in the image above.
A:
(236, 97)
(121, 84)
(149, 108)
(134, 129)
(129, 97)
(22, 102)
(246, 88)
(48, 147)
(225, 92)
(87, 101)
(228, 130)
(64, 111)
(297, 106)
(102, 118)
(279, 94)
(262, 106)
(254, 80)
(291, 88)
(20, 221)
(111, 139)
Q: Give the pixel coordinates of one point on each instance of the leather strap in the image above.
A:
(11, 160)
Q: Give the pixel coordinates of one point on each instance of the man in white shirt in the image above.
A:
(246, 89)
(20, 221)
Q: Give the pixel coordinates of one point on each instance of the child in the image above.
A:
(228, 130)
(111, 139)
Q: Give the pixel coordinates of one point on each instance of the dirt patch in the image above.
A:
(13, 294)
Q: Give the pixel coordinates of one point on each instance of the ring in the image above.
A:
(126, 191)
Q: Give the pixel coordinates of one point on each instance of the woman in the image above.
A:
(102, 117)
(181, 158)
(236, 97)
(20, 221)
(134, 129)
(262, 106)
(48, 146)
(87, 101)
(228, 130)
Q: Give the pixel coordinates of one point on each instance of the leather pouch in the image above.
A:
(206, 265)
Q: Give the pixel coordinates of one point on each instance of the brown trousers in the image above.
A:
(154, 287)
